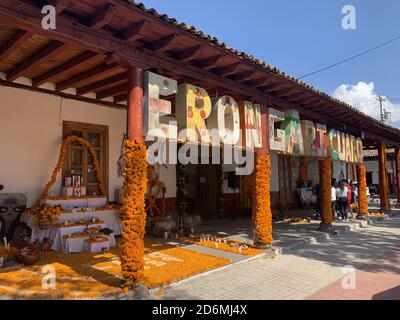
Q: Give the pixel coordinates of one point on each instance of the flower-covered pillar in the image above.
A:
(383, 179)
(261, 211)
(362, 190)
(325, 181)
(397, 159)
(133, 214)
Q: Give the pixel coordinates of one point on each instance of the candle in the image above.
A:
(216, 244)
(5, 243)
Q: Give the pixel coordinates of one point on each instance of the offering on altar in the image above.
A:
(76, 203)
(72, 191)
(46, 216)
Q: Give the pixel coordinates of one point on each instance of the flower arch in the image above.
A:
(60, 164)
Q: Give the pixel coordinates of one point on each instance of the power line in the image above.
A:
(351, 58)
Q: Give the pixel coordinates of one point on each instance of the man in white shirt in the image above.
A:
(333, 198)
(343, 200)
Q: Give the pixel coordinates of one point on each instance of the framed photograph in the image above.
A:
(76, 181)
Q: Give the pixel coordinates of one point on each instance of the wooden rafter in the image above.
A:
(228, 70)
(70, 64)
(136, 31)
(277, 88)
(122, 89)
(244, 76)
(190, 54)
(94, 72)
(13, 43)
(164, 44)
(209, 63)
(120, 98)
(286, 93)
(102, 18)
(59, 5)
(42, 54)
(261, 83)
(93, 87)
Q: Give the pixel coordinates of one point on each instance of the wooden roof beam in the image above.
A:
(51, 49)
(59, 5)
(261, 83)
(136, 31)
(209, 63)
(13, 43)
(276, 88)
(96, 71)
(102, 18)
(286, 93)
(122, 89)
(190, 54)
(244, 76)
(164, 44)
(228, 70)
(93, 87)
(120, 98)
(70, 64)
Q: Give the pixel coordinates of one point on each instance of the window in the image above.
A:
(79, 160)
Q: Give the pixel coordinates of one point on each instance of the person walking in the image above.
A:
(342, 193)
(317, 194)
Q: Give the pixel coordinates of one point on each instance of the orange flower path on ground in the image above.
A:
(88, 275)
(251, 251)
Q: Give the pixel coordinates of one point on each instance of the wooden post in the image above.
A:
(135, 103)
(133, 213)
(362, 191)
(397, 161)
(325, 185)
(383, 179)
(261, 209)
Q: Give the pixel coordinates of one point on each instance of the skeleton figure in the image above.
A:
(12, 205)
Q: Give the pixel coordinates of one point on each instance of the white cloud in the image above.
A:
(363, 97)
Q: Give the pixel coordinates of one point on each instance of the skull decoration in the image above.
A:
(12, 205)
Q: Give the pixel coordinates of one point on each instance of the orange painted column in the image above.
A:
(383, 179)
(397, 161)
(261, 211)
(362, 190)
(325, 184)
(133, 213)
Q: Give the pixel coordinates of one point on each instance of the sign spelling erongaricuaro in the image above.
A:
(222, 120)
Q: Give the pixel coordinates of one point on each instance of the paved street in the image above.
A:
(313, 271)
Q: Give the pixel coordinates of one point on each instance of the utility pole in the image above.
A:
(383, 113)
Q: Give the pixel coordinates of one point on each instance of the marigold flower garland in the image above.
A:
(262, 217)
(383, 179)
(133, 213)
(362, 190)
(325, 180)
(60, 164)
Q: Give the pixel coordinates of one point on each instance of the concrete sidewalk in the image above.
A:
(307, 270)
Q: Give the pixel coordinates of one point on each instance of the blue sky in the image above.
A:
(302, 36)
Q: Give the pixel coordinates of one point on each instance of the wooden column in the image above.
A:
(261, 210)
(135, 103)
(325, 185)
(397, 168)
(383, 179)
(133, 214)
(362, 190)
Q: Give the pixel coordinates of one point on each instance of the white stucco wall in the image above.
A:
(31, 134)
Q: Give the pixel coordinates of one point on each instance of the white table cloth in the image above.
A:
(96, 247)
(71, 245)
(110, 217)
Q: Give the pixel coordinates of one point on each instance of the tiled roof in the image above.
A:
(253, 60)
